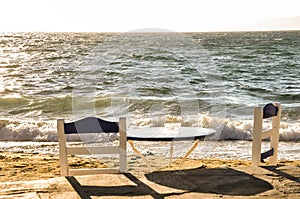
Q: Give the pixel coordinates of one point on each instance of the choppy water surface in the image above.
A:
(198, 79)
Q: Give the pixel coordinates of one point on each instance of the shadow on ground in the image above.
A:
(225, 181)
(139, 189)
(283, 173)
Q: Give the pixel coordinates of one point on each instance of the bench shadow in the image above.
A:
(281, 173)
(140, 189)
(225, 181)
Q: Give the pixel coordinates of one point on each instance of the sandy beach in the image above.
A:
(210, 80)
(37, 176)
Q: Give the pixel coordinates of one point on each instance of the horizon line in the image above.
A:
(163, 31)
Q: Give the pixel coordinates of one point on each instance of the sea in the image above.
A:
(153, 78)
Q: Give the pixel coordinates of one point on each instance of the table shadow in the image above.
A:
(225, 181)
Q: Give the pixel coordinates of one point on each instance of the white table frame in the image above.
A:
(165, 134)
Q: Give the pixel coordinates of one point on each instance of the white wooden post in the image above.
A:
(62, 148)
(274, 138)
(257, 134)
(123, 144)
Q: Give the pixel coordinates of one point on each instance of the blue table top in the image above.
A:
(168, 134)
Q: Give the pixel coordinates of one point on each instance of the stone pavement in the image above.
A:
(244, 182)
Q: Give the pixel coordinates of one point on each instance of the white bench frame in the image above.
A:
(65, 151)
(259, 135)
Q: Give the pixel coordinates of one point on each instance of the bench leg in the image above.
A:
(171, 153)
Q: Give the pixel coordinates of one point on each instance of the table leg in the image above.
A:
(171, 153)
(189, 152)
(137, 151)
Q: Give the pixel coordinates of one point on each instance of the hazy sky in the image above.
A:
(127, 15)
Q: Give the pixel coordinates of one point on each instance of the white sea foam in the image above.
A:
(27, 130)
(30, 130)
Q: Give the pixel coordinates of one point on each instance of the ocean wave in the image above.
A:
(154, 74)
(29, 130)
(22, 105)
(25, 130)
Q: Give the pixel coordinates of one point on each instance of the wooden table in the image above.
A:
(165, 134)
